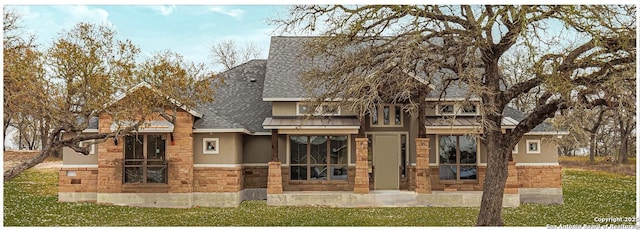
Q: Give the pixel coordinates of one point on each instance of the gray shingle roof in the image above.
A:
(286, 64)
(238, 101)
(519, 116)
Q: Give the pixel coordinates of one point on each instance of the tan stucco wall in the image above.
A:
(230, 149)
(256, 149)
(548, 151)
(71, 157)
(283, 108)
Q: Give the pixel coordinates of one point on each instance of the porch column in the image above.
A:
(274, 177)
(361, 185)
(513, 185)
(423, 177)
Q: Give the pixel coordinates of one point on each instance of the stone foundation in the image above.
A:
(385, 199)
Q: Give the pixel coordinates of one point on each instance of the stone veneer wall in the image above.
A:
(255, 176)
(85, 180)
(336, 185)
(545, 176)
(210, 179)
(179, 155)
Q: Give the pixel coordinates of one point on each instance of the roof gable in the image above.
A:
(149, 87)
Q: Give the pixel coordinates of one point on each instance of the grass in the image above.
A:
(30, 200)
(599, 164)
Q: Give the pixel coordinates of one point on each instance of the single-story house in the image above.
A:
(256, 141)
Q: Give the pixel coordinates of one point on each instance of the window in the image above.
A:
(385, 115)
(92, 147)
(458, 156)
(210, 146)
(533, 146)
(446, 109)
(469, 109)
(319, 157)
(305, 109)
(452, 109)
(403, 155)
(374, 116)
(370, 156)
(398, 115)
(515, 149)
(388, 112)
(144, 159)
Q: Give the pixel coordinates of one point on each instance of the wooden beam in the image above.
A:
(361, 130)
(274, 145)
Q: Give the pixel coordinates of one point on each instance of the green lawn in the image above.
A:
(30, 200)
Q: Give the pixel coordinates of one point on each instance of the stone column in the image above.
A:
(512, 185)
(274, 180)
(361, 185)
(423, 177)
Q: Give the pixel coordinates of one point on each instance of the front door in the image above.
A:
(386, 149)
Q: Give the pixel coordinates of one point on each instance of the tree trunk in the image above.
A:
(495, 181)
(624, 143)
(4, 133)
(15, 171)
(592, 148)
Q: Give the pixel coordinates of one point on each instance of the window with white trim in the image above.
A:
(533, 146)
(210, 146)
(92, 147)
(457, 109)
(445, 109)
(321, 110)
(515, 149)
(386, 115)
(469, 110)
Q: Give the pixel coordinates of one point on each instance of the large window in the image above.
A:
(458, 158)
(319, 157)
(144, 159)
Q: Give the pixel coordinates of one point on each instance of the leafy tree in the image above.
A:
(88, 69)
(380, 52)
(22, 67)
(228, 54)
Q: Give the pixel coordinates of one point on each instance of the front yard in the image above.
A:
(30, 200)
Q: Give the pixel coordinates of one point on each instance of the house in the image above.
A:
(256, 141)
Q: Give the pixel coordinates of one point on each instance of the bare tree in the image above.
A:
(229, 54)
(376, 48)
(87, 70)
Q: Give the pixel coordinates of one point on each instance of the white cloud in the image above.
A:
(85, 14)
(163, 10)
(235, 13)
